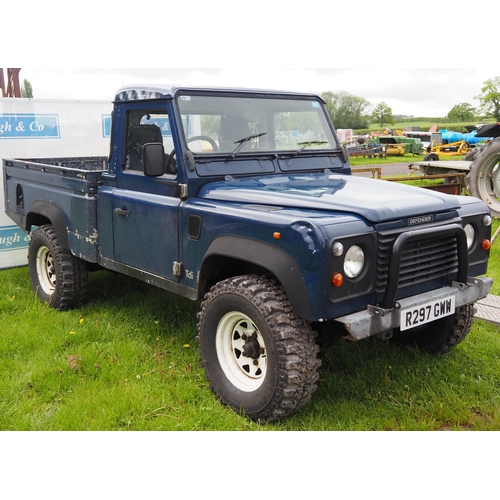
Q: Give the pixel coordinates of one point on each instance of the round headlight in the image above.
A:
(354, 261)
(469, 231)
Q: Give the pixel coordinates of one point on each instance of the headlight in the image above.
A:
(471, 234)
(354, 261)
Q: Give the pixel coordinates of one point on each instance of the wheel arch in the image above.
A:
(45, 212)
(229, 256)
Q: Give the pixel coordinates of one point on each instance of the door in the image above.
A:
(145, 211)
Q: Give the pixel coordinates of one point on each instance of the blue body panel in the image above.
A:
(373, 200)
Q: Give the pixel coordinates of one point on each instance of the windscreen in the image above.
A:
(235, 125)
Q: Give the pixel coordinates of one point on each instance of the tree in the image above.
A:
(490, 98)
(26, 89)
(382, 114)
(346, 110)
(463, 112)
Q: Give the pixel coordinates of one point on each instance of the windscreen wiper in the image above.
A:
(306, 144)
(243, 141)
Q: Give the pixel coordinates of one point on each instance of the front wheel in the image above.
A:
(260, 359)
(57, 276)
(442, 335)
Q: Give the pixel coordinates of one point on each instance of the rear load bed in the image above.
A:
(67, 187)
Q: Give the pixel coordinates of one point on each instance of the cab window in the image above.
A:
(145, 127)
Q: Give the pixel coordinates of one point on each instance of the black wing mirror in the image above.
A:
(153, 157)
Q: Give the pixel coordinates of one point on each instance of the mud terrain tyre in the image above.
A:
(442, 335)
(260, 359)
(57, 277)
(484, 176)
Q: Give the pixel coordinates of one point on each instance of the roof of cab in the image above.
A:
(143, 92)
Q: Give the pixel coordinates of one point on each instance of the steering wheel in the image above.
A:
(171, 166)
(204, 138)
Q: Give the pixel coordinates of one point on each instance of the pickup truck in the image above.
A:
(244, 199)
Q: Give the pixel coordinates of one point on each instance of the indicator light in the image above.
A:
(337, 279)
(337, 249)
(486, 244)
(277, 236)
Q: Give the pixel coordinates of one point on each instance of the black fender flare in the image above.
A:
(54, 214)
(276, 260)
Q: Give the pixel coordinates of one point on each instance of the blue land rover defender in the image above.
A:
(245, 199)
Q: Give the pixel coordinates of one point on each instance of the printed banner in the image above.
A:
(12, 238)
(29, 126)
(106, 126)
(163, 123)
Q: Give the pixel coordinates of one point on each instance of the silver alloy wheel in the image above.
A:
(241, 351)
(46, 270)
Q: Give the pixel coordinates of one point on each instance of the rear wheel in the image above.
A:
(260, 359)
(442, 335)
(431, 157)
(484, 176)
(57, 276)
(452, 180)
(471, 155)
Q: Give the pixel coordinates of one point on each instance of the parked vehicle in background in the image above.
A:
(481, 164)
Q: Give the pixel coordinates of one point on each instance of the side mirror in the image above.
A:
(345, 153)
(153, 158)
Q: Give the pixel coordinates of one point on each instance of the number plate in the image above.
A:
(427, 312)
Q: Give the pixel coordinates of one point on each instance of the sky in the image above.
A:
(430, 92)
(325, 46)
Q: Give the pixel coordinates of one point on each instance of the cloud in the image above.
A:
(408, 91)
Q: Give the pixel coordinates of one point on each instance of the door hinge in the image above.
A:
(177, 269)
(183, 190)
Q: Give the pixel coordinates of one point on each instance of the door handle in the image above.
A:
(121, 212)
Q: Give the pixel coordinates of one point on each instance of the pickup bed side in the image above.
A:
(62, 195)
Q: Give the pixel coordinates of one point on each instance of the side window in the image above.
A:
(144, 127)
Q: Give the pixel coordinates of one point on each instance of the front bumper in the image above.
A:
(377, 321)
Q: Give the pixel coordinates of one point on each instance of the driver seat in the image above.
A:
(137, 136)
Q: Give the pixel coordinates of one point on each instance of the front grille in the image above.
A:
(421, 261)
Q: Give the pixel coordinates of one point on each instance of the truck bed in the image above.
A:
(68, 185)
